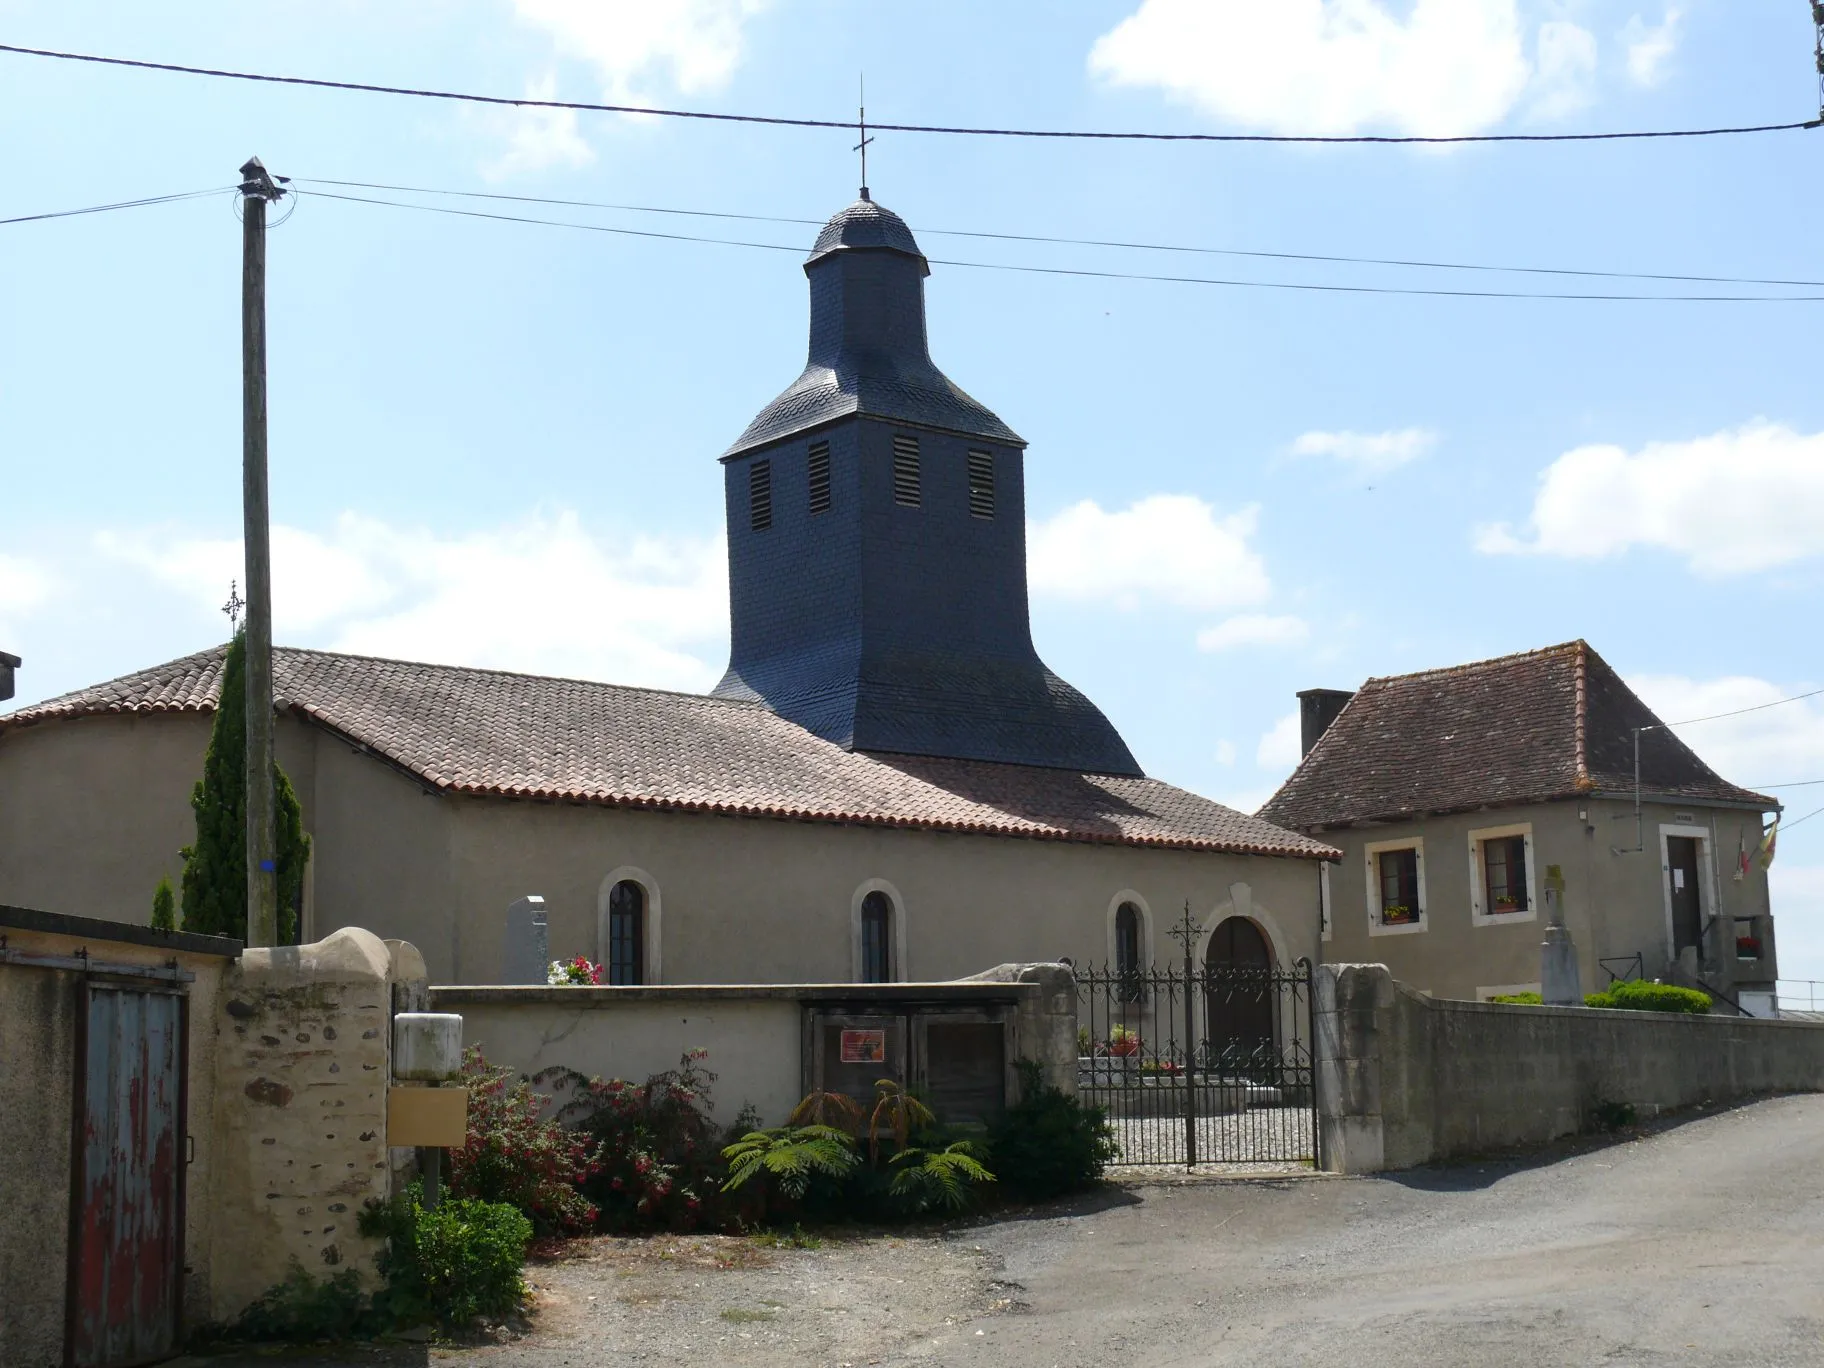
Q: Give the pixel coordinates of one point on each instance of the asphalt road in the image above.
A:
(1701, 1244)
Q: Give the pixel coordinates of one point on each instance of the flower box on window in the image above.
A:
(1399, 914)
(1507, 905)
(1748, 947)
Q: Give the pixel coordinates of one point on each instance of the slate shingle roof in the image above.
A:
(1545, 724)
(526, 736)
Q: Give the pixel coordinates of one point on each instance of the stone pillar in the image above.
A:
(1375, 1080)
(1560, 980)
(1045, 1023)
(525, 955)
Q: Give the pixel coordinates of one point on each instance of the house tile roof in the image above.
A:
(1545, 724)
(490, 732)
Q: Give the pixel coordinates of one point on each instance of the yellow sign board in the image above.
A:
(427, 1117)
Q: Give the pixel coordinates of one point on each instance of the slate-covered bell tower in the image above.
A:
(877, 538)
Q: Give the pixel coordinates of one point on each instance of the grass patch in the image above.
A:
(795, 1238)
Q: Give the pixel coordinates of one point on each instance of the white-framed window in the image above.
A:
(877, 929)
(627, 925)
(1503, 878)
(1130, 933)
(1395, 872)
(1323, 898)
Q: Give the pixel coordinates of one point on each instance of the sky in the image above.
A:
(495, 443)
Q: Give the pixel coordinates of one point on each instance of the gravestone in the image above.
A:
(525, 955)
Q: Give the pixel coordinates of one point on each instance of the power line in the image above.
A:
(846, 124)
(1797, 783)
(1085, 242)
(1087, 273)
(1799, 821)
(104, 208)
(1737, 712)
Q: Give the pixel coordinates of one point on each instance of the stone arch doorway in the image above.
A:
(1239, 999)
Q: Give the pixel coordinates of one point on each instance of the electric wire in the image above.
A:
(1085, 242)
(1088, 273)
(847, 124)
(1737, 712)
(119, 204)
(1797, 783)
(1799, 821)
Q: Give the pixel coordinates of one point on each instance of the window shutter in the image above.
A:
(981, 484)
(760, 495)
(820, 477)
(905, 470)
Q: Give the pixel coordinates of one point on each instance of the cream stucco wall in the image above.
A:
(1614, 903)
(741, 899)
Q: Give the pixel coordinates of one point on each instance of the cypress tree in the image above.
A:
(215, 867)
(164, 907)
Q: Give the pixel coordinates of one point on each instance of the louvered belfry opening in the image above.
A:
(882, 611)
(819, 469)
(760, 495)
(905, 470)
(981, 484)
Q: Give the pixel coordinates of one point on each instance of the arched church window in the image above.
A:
(626, 933)
(877, 938)
(1127, 940)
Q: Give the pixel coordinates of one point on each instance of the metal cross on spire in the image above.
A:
(861, 123)
(234, 605)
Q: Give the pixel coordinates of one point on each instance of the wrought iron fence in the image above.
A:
(1200, 1064)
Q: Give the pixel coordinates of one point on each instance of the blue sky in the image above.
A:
(496, 444)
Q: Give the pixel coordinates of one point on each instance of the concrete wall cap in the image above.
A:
(406, 963)
(350, 955)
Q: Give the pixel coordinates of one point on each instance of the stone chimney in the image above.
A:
(8, 663)
(1317, 709)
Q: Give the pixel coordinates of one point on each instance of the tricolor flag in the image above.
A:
(1765, 854)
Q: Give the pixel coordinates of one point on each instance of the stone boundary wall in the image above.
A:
(1404, 1079)
(754, 1033)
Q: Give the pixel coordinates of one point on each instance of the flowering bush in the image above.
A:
(578, 970)
(660, 1164)
(514, 1154)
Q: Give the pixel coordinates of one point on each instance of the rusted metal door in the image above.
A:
(126, 1208)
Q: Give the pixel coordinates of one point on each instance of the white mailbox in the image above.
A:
(427, 1046)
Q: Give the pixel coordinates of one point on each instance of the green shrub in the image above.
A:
(658, 1164)
(1611, 1116)
(513, 1154)
(791, 1167)
(1636, 996)
(164, 907)
(302, 1310)
(937, 1179)
(1049, 1144)
(1519, 999)
(453, 1264)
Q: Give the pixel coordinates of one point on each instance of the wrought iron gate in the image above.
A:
(127, 1207)
(1200, 1064)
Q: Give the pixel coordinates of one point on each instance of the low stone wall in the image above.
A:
(1404, 1079)
(755, 1034)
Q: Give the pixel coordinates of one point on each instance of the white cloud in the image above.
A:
(1279, 747)
(1650, 47)
(1565, 79)
(1436, 67)
(1736, 502)
(1225, 753)
(24, 585)
(1370, 451)
(691, 46)
(1770, 746)
(1171, 548)
(1254, 629)
(533, 139)
(540, 595)
(1797, 894)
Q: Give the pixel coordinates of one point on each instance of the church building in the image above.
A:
(887, 784)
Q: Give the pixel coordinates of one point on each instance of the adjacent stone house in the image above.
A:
(887, 785)
(1455, 794)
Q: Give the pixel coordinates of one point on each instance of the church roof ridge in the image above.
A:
(495, 733)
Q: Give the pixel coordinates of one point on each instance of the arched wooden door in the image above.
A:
(1238, 999)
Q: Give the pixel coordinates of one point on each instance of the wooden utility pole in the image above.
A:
(257, 190)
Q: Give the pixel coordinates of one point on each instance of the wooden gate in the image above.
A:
(127, 1170)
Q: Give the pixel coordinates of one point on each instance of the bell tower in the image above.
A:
(877, 538)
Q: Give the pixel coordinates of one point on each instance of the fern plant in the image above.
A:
(836, 1110)
(941, 1179)
(898, 1113)
(789, 1159)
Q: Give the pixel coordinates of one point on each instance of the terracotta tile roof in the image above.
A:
(526, 736)
(1552, 723)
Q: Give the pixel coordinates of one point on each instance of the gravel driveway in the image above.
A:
(1701, 1243)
